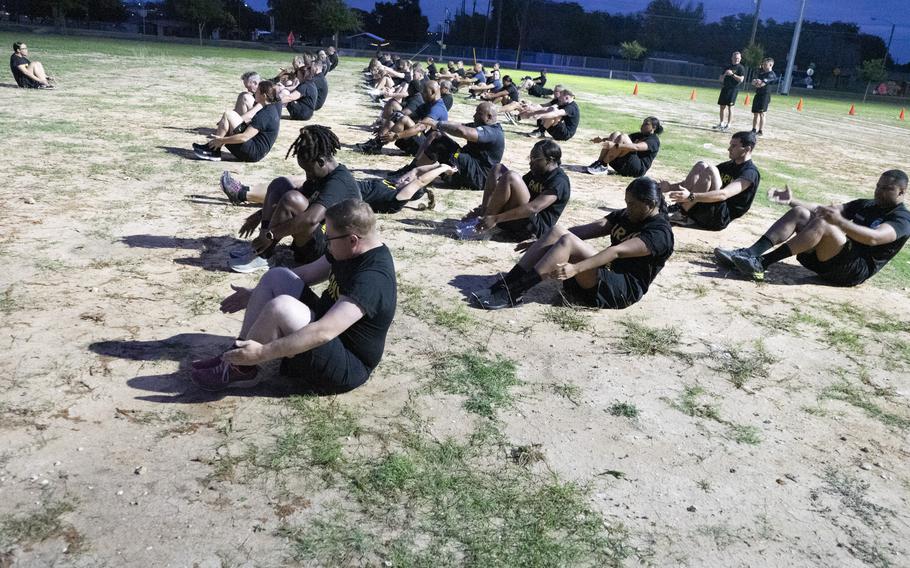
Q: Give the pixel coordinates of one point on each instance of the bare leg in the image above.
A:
(755, 116)
(38, 71)
(546, 123)
(274, 208)
(509, 193)
(611, 151)
(812, 233)
(761, 121)
(791, 222)
(541, 246)
(702, 177)
(569, 248)
(489, 188)
(275, 282)
(425, 175)
(729, 114)
(722, 107)
(229, 121)
(281, 317)
(258, 192)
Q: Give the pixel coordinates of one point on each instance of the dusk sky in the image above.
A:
(873, 16)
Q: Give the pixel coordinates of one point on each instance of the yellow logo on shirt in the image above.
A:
(535, 187)
(333, 289)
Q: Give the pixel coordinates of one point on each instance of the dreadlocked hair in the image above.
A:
(315, 141)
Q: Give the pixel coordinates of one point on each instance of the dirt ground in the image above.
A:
(769, 429)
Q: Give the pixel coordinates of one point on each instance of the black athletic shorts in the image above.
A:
(470, 175)
(629, 165)
(313, 249)
(559, 131)
(299, 111)
(380, 195)
(613, 291)
(727, 96)
(760, 102)
(710, 216)
(846, 268)
(329, 368)
(410, 146)
(524, 229)
(443, 150)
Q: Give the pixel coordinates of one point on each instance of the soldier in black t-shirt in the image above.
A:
(387, 196)
(295, 207)
(712, 196)
(559, 121)
(526, 206)
(844, 244)
(301, 102)
(330, 343)
(732, 78)
(629, 156)
(508, 97)
(28, 74)
(485, 146)
(641, 240)
(248, 137)
(322, 84)
(333, 58)
(765, 78)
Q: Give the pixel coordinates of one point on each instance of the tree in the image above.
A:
(199, 12)
(333, 16)
(872, 71)
(752, 56)
(632, 51)
(402, 21)
(293, 15)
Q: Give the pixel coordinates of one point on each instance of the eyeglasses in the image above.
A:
(327, 239)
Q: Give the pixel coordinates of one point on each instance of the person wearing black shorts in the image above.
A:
(509, 97)
(712, 196)
(732, 78)
(328, 343)
(641, 241)
(765, 78)
(295, 207)
(628, 155)
(528, 206)
(405, 128)
(251, 135)
(322, 84)
(387, 196)
(28, 74)
(559, 121)
(843, 244)
(535, 86)
(301, 102)
(485, 146)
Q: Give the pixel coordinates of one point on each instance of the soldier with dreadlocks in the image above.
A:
(294, 206)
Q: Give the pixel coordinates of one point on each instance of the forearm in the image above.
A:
(804, 204)
(297, 225)
(248, 115)
(235, 138)
(304, 339)
(592, 230)
(452, 128)
(602, 258)
(521, 212)
(715, 196)
(864, 235)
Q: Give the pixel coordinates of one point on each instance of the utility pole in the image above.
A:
(791, 60)
(755, 21)
(498, 26)
(486, 24)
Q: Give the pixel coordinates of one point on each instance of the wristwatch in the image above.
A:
(270, 235)
(691, 197)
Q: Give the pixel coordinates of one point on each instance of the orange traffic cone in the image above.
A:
(799, 105)
(747, 98)
(901, 116)
(635, 90)
(692, 96)
(852, 110)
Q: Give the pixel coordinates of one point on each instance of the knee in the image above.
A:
(281, 305)
(802, 213)
(294, 201)
(701, 166)
(279, 186)
(277, 279)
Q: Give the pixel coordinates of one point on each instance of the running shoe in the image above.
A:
(724, 257)
(226, 376)
(598, 168)
(495, 299)
(249, 263)
(535, 134)
(204, 152)
(749, 266)
(510, 118)
(231, 187)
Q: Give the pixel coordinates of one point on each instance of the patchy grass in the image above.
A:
(741, 364)
(485, 382)
(852, 493)
(641, 339)
(311, 435)
(742, 434)
(624, 409)
(692, 402)
(456, 319)
(568, 391)
(34, 527)
(567, 318)
(861, 398)
(7, 301)
(845, 340)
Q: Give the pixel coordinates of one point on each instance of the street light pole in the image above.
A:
(890, 37)
(755, 21)
(791, 59)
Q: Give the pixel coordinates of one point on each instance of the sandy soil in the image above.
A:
(115, 244)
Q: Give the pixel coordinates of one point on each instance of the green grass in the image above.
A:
(567, 318)
(456, 319)
(34, 527)
(625, 409)
(852, 493)
(858, 397)
(742, 434)
(311, 435)
(692, 402)
(486, 383)
(568, 391)
(742, 364)
(640, 339)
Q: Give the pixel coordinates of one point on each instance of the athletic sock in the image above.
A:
(241, 195)
(509, 278)
(524, 283)
(776, 255)
(761, 246)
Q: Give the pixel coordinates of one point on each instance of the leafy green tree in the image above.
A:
(333, 16)
(402, 21)
(199, 12)
(293, 15)
(632, 51)
(752, 56)
(872, 71)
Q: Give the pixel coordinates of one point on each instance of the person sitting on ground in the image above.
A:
(406, 130)
(712, 196)
(251, 135)
(301, 102)
(322, 84)
(629, 156)
(528, 108)
(494, 84)
(641, 240)
(508, 97)
(559, 121)
(247, 99)
(332, 54)
(843, 244)
(732, 78)
(484, 148)
(28, 74)
(535, 87)
(329, 343)
(432, 71)
(478, 77)
(445, 90)
(405, 98)
(295, 207)
(525, 207)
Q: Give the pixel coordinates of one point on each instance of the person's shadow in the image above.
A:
(212, 255)
(780, 273)
(182, 152)
(200, 130)
(443, 228)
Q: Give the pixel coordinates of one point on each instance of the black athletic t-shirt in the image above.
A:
(431, 71)
(449, 100)
(729, 81)
(541, 81)
(333, 60)
(646, 156)
(333, 188)
(322, 90)
(514, 95)
(770, 78)
(730, 171)
(866, 213)
(657, 235)
(556, 183)
(571, 118)
(309, 94)
(490, 145)
(267, 122)
(368, 280)
(15, 61)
